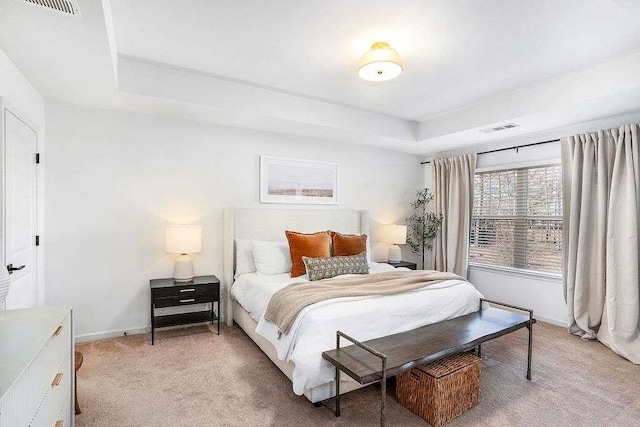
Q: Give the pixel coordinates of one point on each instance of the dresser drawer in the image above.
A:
(64, 417)
(187, 289)
(35, 345)
(14, 403)
(48, 361)
(185, 300)
(57, 395)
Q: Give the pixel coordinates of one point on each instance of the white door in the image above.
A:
(20, 211)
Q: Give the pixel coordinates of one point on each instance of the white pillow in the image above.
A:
(244, 257)
(271, 257)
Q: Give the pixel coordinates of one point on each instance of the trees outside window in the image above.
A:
(517, 219)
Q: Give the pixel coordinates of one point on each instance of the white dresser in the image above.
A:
(36, 367)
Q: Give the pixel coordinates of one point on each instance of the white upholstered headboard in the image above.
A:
(270, 224)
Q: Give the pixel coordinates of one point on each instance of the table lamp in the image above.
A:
(183, 240)
(395, 235)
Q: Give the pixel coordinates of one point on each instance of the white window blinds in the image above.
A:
(517, 219)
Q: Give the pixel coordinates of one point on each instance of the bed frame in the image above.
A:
(269, 225)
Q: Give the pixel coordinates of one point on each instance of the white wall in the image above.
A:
(19, 92)
(114, 180)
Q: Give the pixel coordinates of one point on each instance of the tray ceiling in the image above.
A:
(291, 66)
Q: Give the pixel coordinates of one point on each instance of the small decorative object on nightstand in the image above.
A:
(407, 264)
(169, 293)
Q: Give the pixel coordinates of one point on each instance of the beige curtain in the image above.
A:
(453, 189)
(601, 222)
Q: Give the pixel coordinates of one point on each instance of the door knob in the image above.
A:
(11, 268)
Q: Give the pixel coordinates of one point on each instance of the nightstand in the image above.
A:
(169, 293)
(407, 264)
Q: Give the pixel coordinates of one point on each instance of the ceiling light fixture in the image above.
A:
(381, 63)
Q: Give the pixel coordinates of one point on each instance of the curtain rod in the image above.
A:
(515, 147)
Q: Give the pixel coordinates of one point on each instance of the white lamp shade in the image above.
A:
(394, 234)
(183, 239)
(381, 63)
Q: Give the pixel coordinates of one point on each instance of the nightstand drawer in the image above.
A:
(186, 290)
(185, 300)
(169, 293)
(405, 264)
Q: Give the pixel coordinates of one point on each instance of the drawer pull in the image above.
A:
(58, 330)
(58, 423)
(187, 300)
(188, 290)
(56, 379)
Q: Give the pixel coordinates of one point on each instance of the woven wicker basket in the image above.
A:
(442, 390)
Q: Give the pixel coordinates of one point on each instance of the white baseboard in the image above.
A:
(110, 334)
(556, 322)
(144, 330)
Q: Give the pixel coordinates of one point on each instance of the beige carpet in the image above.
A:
(192, 377)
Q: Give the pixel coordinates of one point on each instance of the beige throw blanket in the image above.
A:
(288, 302)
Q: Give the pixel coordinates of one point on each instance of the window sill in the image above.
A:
(552, 277)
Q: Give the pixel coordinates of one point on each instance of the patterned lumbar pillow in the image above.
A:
(324, 268)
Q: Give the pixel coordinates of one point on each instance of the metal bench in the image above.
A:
(378, 359)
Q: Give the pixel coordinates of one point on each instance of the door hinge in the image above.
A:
(38, 158)
(37, 240)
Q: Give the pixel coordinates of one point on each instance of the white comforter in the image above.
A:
(364, 318)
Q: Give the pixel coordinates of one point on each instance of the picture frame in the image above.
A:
(298, 181)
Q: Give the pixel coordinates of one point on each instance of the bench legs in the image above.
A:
(529, 327)
(383, 380)
(383, 397)
(530, 350)
(337, 392)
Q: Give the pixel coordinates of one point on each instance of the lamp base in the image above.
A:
(395, 254)
(183, 269)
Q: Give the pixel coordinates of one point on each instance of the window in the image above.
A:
(517, 219)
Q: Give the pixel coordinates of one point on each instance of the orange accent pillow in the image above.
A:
(316, 245)
(348, 244)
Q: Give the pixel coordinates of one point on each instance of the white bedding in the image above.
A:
(364, 318)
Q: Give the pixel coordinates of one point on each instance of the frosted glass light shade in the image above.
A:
(183, 239)
(381, 63)
(394, 234)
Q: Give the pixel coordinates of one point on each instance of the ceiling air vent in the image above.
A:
(499, 128)
(67, 7)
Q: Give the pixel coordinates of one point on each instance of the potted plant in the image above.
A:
(422, 225)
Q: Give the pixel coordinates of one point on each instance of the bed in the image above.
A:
(298, 353)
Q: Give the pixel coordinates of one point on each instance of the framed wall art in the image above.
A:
(284, 180)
